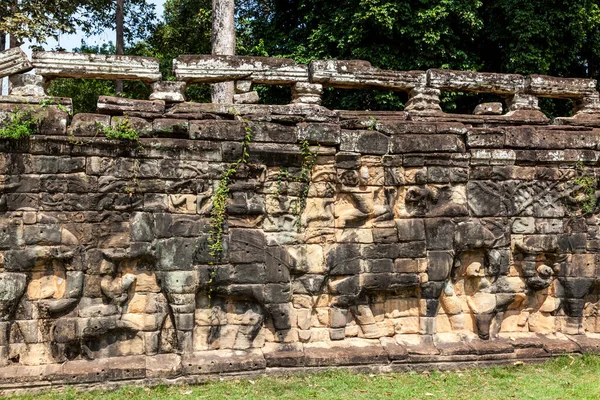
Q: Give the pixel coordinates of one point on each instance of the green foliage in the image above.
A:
(122, 131)
(309, 158)
(37, 20)
(218, 214)
(371, 123)
(19, 124)
(585, 194)
(282, 175)
(566, 377)
(186, 29)
(22, 123)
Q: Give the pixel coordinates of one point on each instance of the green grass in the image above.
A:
(562, 378)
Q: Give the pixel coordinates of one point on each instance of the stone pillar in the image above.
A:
(588, 105)
(522, 101)
(307, 93)
(27, 85)
(423, 99)
(169, 91)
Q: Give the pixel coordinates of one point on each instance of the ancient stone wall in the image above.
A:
(387, 239)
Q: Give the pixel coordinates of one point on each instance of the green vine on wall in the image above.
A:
(282, 175)
(309, 159)
(218, 214)
(585, 194)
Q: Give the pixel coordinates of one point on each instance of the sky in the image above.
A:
(68, 42)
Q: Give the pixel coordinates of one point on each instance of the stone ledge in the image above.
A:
(360, 355)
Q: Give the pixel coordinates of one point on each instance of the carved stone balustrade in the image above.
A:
(13, 61)
(95, 66)
(520, 93)
(259, 70)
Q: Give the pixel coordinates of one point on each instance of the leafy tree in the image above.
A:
(37, 19)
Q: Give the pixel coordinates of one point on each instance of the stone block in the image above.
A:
(260, 70)
(401, 144)
(118, 105)
(13, 61)
(52, 65)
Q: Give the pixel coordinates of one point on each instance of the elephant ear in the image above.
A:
(12, 288)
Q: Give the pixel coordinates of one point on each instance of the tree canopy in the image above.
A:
(554, 37)
(38, 20)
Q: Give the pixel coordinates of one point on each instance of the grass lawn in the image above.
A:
(562, 378)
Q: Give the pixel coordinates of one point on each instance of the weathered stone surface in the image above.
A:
(13, 61)
(27, 85)
(246, 98)
(169, 91)
(307, 93)
(467, 81)
(358, 74)
(415, 237)
(51, 65)
(118, 105)
(488, 109)
(548, 86)
(261, 70)
(426, 144)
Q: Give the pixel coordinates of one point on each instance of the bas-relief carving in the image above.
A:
(382, 252)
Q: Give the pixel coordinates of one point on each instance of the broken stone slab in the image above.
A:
(117, 105)
(296, 112)
(13, 102)
(246, 98)
(53, 64)
(494, 108)
(261, 70)
(359, 74)
(555, 87)
(13, 61)
(27, 85)
(477, 82)
(169, 91)
(243, 86)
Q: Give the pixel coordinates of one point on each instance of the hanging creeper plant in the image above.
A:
(218, 214)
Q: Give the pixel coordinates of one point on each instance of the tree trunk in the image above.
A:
(120, 42)
(13, 42)
(2, 47)
(223, 43)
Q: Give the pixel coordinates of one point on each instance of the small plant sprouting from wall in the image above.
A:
(19, 124)
(124, 131)
(585, 194)
(309, 158)
(121, 131)
(22, 123)
(371, 124)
